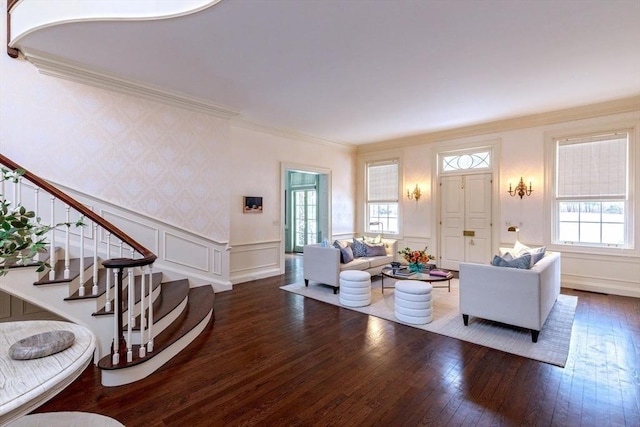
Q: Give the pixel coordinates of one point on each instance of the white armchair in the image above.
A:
(513, 296)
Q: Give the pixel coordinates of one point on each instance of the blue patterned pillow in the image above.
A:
(359, 248)
(523, 262)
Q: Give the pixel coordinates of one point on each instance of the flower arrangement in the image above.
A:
(416, 258)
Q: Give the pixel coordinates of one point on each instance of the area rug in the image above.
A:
(552, 346)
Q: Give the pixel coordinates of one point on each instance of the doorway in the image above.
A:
(466, 206)
(306, 207)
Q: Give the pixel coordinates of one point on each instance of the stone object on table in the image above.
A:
(41, 345)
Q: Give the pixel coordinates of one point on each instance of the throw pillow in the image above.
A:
(372, 240)
(359, 248)
(346, 255)
(339, 245)
(523, 262)
(537, 254)
(519, 249)
(375, 250)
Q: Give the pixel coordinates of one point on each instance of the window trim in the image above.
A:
(551, 202)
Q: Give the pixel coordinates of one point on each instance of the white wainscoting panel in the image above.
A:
(186, 253)
(252, 261)
(146, 235)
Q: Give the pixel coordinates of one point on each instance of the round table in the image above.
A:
(423, 277)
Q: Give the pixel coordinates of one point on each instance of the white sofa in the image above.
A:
(518, 297)
(322, 264)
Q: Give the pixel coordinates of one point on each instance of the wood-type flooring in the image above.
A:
(272, 358)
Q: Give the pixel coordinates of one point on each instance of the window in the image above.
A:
(466, 161)
(382, 197)
(592, 197)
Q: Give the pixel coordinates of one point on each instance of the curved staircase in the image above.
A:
(141, 323)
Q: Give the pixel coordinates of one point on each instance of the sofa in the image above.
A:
(323, 263)
(520, 297)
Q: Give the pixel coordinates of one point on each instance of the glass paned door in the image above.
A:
(305, 218)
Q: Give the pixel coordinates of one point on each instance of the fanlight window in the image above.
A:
(459, 162)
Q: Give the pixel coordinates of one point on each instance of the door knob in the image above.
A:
(471, 242)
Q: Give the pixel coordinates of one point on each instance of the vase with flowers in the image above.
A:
(416, 258)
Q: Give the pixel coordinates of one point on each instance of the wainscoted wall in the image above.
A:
(522, 153)
(257, 240)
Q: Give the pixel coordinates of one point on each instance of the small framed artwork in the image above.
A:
(252, 204)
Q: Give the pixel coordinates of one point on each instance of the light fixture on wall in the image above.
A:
(521, 189)
(414, 194)
(514, 229)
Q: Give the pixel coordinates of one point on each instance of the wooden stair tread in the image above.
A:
(171, 295)
(74, 271)
(199, 305)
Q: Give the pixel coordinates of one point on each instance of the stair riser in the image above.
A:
(163, 323)
(117, 377)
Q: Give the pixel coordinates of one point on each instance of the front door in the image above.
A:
(465, 219)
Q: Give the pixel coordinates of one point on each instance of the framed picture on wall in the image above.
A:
(252, 204)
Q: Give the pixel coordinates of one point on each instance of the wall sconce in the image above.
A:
(521, 189)
(514, 229)
(415, 194)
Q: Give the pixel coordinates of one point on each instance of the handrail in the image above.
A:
(148, 257)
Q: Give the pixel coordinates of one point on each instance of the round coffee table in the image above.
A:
(423, 277)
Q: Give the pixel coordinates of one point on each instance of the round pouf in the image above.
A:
(355, 288)
(413, 302)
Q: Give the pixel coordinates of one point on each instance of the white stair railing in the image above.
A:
(140, 257)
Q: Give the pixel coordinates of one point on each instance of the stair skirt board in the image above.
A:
(163, 323)
(116, 377)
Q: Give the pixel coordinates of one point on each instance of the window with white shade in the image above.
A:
(382, 197)
(592, 201)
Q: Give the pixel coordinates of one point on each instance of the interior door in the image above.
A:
(305, 218)
(465, 220)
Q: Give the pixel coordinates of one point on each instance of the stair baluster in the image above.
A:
(130, 318)
(107, 304)
(67, 245)
(36, 210)
(81, 289)
(52, 239)
(94, 289)
(150, 305)
(143, 297)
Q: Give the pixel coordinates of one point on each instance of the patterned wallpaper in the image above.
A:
(165, 162)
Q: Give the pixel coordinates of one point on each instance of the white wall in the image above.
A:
(522, 153)
(256, 161)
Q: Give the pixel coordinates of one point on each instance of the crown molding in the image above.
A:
(624, 105)
(291, 134)
(57, 67)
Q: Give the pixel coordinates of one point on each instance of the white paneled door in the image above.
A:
(465, 220)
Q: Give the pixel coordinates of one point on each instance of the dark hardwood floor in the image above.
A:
(274, 358)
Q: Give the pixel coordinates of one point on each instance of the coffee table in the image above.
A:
(423, 277)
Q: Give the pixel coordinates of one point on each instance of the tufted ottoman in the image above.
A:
(413, 302)
(355, 288)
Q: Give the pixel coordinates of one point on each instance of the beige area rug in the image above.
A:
(552, 346)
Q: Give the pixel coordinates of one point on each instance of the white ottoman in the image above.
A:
(413, 302)
(355, 288)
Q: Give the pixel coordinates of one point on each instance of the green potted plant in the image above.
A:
(22, 236)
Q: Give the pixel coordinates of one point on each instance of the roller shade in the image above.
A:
(382, 180)
(593, 168)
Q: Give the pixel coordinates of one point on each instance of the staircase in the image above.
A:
(141, 317)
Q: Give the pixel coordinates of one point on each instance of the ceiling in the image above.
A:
(371, 70)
